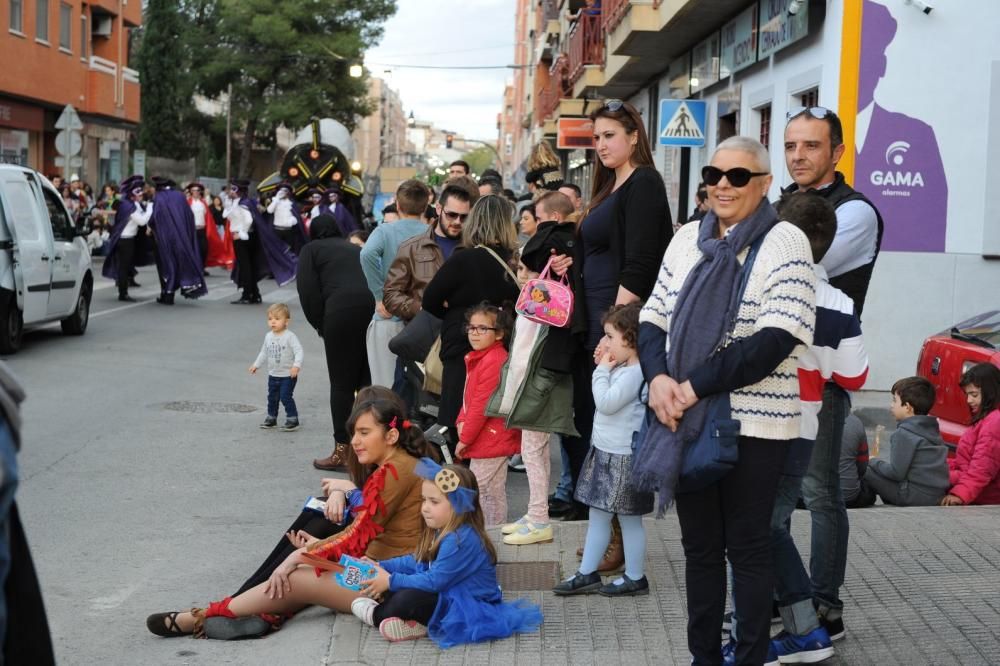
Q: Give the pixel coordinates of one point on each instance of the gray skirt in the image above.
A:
(606, 483)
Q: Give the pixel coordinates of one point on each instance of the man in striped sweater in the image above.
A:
(834, 363)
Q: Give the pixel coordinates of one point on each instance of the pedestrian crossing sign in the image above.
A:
(682, 122)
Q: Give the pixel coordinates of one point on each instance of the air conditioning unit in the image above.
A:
(102, 26)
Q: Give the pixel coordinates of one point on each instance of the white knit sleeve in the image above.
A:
(788, 297)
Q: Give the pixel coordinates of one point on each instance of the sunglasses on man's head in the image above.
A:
(817, 112)
(452, 215)
(737, 177)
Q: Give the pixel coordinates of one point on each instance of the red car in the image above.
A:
(946, 356)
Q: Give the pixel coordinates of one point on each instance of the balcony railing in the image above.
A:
(586, 45)
(614, 12)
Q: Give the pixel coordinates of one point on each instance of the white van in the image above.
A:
(45, 270)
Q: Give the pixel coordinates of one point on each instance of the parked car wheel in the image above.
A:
(76, 323)
(11, 323)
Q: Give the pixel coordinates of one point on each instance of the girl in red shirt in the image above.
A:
(485, 440)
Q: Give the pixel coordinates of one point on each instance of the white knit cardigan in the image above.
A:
(780, 293)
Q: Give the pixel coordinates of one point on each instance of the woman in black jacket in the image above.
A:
(336, 301)
(479, 270)
(622, 237)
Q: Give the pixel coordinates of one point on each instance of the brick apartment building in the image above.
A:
(59, 52)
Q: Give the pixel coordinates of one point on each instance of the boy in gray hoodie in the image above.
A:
(916, 473)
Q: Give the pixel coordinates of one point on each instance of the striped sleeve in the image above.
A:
(788, 299)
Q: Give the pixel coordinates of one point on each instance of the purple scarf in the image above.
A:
(702, 319)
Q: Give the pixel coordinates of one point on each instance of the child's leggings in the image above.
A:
(415, 605)
(491, 474)
(599, 534)
(537, 464)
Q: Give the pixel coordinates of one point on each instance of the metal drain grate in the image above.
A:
(194, 407)
(527, 576)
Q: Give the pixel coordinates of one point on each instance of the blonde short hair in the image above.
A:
(490, 224)
(279, 309)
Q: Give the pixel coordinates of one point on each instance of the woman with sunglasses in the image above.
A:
(622, 237)
(479, 270)
(701, 338)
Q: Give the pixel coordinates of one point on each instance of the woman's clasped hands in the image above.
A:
(669, 400)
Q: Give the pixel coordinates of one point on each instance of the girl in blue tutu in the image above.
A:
(448, 588)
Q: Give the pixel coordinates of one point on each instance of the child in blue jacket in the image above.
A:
(448, 589)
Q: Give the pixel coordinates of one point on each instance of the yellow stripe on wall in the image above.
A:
(850, 63)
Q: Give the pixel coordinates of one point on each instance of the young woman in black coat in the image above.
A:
(336, 301)
(479, 270)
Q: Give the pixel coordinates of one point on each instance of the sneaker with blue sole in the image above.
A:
(809, 648)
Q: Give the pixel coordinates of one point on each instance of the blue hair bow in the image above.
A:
(463, 500)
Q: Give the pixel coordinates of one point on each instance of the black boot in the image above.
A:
(123, 296)
(244, 299)
(165, 298)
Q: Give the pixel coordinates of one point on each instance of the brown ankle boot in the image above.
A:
(336, 461)
(614, 557)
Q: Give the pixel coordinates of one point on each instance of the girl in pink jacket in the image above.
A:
(485, 440)
(975, 469)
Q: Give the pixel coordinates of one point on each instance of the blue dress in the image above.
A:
(470, 606)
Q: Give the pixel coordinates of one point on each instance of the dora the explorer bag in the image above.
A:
(546, 301)
(716, 451)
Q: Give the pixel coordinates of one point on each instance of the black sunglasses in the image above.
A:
(737, 177)
(461, 217)
(613, 105)
(817, 112)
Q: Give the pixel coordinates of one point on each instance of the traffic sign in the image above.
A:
(74, 162)
(682, 122)
(68, 142)
(69, 119)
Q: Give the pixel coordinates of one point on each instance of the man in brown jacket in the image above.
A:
(420, 257)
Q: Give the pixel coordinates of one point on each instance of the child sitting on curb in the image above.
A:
(916, 473)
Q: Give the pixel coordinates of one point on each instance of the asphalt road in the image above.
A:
(134, 505)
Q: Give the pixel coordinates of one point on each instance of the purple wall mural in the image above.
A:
(898, 162)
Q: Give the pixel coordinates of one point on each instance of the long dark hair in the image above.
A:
(604, 178)
(985, 377)
(384, 406)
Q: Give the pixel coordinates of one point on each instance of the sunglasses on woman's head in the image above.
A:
(613, 105)
(737, 177)
(817, 112)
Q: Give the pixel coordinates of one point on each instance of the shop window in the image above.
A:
(65, 26)
(62, 228)
(764, 115)
(42, 20)
(728, 126)
(810, 98)
(17, 15)
(13, 147)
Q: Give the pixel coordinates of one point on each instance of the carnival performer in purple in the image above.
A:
(259, 251)
(286, 218)
(332, 206)
(131, 219)
(178, 261)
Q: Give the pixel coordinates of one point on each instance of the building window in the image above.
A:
(42, 20)
(84, 37)
(764, 113)
(17, 15)
(65, 26)
(810, 98)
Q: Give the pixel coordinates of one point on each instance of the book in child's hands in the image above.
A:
(355, 574)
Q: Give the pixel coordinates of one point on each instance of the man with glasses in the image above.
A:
(814, 143)
(813, 146)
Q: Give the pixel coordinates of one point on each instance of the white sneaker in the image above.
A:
(395, 629)
(363, 608)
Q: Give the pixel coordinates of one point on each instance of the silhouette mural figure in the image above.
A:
(898, 162)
